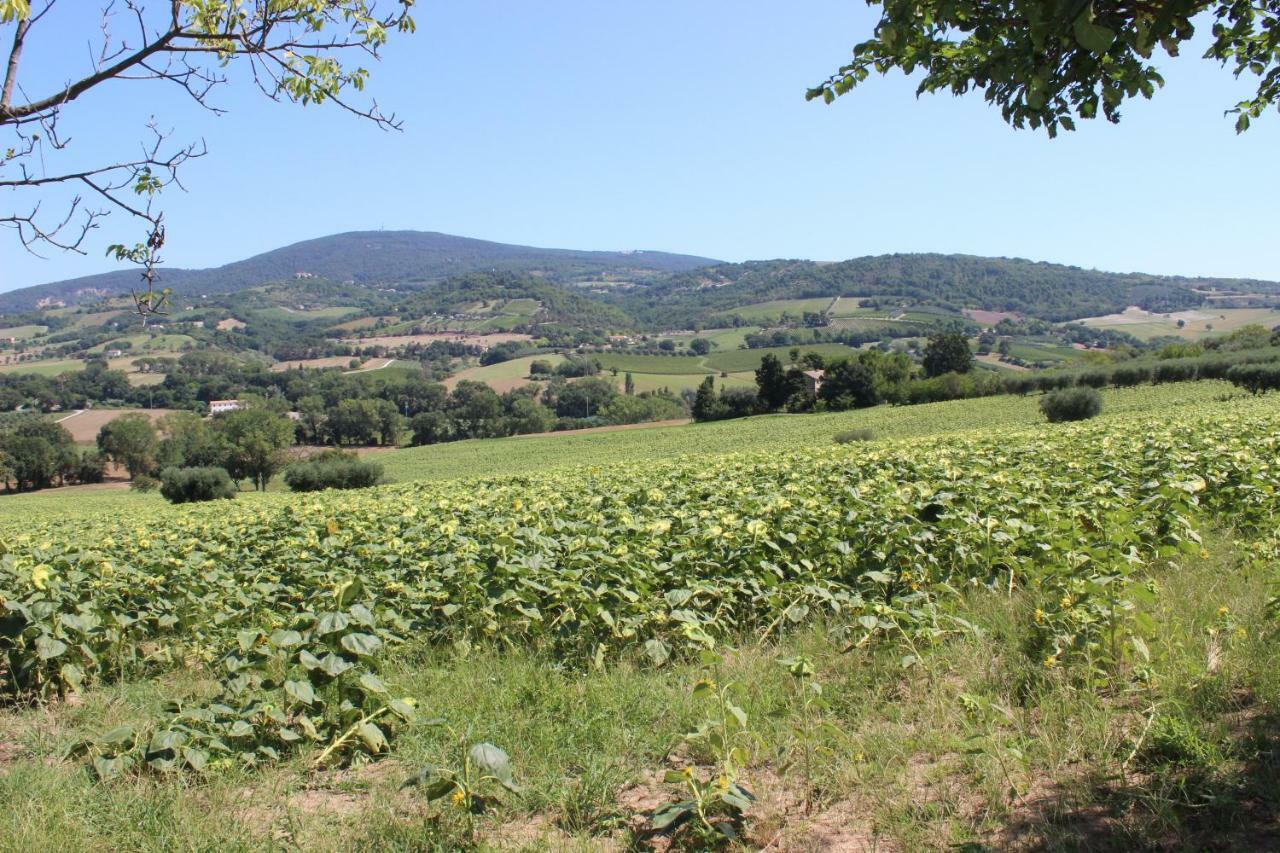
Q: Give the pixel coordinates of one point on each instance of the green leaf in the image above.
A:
(331, 623)
(402, 709)
(657, 651)
(300, 691)
(122, 736)
(48, 647)
(285, 639)
(373, 737)
(669, 817)
(333, 665)
(361, 644)
(1091, 36)
(195, 758)
(494, 762)
(372, 683)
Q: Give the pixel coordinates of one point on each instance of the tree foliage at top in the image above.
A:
(1045, 63)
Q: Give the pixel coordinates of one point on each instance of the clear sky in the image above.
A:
(683, 127)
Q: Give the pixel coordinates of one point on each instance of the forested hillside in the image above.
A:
(1043, 290)
(369, 257)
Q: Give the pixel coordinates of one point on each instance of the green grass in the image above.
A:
(851, 306)
(897, 760)
(52, 367)
(974, 745)
(670, 364)
(142, 343)
(521, 307)
(292, 315)
(734, 361)
(762, 312)
(528, 455)
(504, 372)
(1054, 354)
(496, 457)
(677, 382)
(23, 333)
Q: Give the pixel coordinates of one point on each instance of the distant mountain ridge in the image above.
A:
(661, 290)
(367, 257)
(1047, 291)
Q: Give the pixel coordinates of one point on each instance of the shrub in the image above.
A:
(332, 473)
(852, 435)
(1174, 371)
(187, 485)
(1071, 404)
(1255, 378)
(143, 483)
(1128, 376)
(1093, 379)
(92, 468)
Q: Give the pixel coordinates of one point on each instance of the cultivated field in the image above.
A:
(484, 341)
(313, 363)
(84, 425)
(995, 633)
(22, 333)
(1200, 323)
(503, 376)
(43, 367)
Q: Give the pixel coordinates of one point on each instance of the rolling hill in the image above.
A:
(369, 257)
(1036, 289)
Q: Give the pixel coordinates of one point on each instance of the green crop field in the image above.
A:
(1052, 354)
(762, 312)
(50, 367)
(294, 315)
(677, 382)
(670, 364)
(141, 344)
(572, 610)
(23, 333)
(504, 375)
(521, 307)
(524, 455)
(914, 642)
(749, 359)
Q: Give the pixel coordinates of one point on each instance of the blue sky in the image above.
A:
(683, 127)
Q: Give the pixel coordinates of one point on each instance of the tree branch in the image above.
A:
(15, 55)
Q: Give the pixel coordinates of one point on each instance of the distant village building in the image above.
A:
(813, 380)
(113, 353)
(217, 407)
